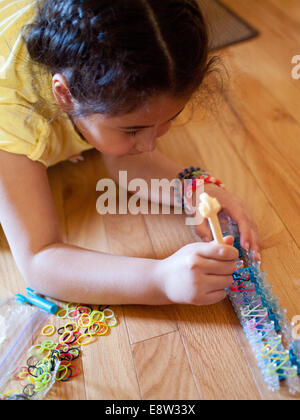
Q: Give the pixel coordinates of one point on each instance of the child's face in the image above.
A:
(132, 133)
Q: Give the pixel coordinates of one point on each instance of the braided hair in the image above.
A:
(117, 54)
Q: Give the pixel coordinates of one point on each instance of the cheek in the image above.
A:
(110, 143)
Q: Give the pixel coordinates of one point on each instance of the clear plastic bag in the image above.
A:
(19, 326)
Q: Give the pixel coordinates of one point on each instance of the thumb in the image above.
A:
(229, 240)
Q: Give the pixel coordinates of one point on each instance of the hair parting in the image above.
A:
(116, 55)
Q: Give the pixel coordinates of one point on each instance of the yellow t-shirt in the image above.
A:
(30, 122)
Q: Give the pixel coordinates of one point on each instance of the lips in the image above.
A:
(135, 152)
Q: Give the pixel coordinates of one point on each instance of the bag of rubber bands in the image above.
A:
(26, 373)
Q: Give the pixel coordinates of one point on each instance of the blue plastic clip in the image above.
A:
(36, 300)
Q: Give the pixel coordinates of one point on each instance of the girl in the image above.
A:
(110, 75)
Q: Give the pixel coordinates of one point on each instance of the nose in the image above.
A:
(163, 129)
(147, 144)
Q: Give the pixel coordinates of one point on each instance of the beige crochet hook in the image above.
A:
(209, 208)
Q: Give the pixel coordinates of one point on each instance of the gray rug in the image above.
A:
(225, 27)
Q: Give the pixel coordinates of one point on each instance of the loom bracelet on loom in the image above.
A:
(259, 312)
(264, 322)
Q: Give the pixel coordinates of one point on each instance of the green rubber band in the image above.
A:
(62, 316)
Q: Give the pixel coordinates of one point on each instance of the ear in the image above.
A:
(61, 92)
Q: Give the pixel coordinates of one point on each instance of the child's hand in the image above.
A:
(198, 273)
(237, 210)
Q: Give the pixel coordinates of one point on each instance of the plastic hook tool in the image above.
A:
(209, 209)
(36, 300)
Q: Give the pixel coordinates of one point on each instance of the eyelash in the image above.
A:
(134, 133)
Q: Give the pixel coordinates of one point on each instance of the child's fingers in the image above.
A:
(249, 236)
(255, 245)
(218, 268)
(228, 240)
(215, 297)
(212, 250)
(219, 282)
(245, 234)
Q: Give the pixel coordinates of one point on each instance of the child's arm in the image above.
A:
(147, 166)
(197, 273)
(156, 165)
(29, 220)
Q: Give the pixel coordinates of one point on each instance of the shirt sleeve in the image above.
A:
(22, 131)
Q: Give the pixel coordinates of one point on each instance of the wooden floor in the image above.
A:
(251, 142)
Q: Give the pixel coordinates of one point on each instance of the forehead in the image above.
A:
(157, 111)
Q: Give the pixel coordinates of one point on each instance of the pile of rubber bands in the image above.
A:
(51, 360)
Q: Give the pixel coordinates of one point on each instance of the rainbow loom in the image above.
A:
(265, 324)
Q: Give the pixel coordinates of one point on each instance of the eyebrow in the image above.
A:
(139, 127)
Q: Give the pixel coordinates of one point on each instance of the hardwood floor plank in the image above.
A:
(163, 369)
(10, 277)
(289, 8)
(217, 360)
(148, 322)
(277, 25)
(277, 179)
(273, 49)
(279, 263)
(109, 370)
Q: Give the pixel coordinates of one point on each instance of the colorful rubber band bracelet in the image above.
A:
(193, 173)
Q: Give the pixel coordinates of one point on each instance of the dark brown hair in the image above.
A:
(116, 54)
